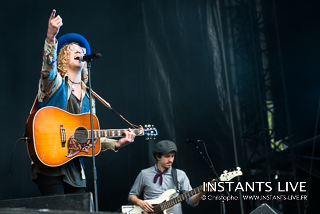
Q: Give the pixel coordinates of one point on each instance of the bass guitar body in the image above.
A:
(155, 202)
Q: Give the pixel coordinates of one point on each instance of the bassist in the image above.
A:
(155, 180)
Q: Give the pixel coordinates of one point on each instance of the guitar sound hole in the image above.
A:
(81, 134)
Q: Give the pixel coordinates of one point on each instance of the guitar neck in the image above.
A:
(226, 176)
(114, 133)
(167, 204)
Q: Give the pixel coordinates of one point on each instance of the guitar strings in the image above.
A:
(103, 133)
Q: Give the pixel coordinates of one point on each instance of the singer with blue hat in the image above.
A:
(63, 85)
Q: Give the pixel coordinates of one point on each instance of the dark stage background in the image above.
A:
(161, 64)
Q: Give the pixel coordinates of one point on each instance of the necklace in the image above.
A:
(73, 83)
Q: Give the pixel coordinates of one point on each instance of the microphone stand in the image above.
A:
(94, 170)
(222, 203)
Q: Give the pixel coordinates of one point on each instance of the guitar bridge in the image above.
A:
(63, 136)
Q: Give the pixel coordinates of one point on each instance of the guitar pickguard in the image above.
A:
(75, 147)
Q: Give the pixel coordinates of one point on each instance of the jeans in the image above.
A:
(54, 185)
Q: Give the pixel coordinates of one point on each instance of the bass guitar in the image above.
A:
(164, 201)
(55, 136)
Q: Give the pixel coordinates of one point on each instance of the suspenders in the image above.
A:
(175, 178)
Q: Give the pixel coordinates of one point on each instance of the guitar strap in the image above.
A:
(34, 105)
(105, 103)
(175, 178)
(109, 106)
(100, 99)
(33, 108)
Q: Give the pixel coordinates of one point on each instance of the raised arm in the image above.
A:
(50, 80)
(54, 25)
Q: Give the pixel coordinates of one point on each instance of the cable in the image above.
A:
(22, 138)
(211, 164)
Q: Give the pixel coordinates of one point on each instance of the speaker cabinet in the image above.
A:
(71, 202)
(265, 209)
(41, 211)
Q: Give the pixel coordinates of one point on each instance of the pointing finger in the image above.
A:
(53, 14)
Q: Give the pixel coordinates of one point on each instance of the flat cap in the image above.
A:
(164, 147)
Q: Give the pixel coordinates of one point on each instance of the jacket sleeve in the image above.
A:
(50, 79)
(108, 144)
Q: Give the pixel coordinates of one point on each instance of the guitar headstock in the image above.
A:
(150, 132)
(227, 176)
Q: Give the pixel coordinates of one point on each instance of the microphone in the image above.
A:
(88, 58)
(188, 141)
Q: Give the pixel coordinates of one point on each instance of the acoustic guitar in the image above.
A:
(56, 136)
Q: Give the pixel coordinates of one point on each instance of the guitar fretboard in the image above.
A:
(113, 133)
(224, 177)
(167, 204)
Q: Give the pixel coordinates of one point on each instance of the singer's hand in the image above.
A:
(53, 27)
(129, 138)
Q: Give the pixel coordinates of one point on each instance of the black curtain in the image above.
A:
(161, 64)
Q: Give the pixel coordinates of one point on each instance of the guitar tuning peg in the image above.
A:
(238, 168)
(225, 171)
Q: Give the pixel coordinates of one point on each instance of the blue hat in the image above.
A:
(73, 37)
